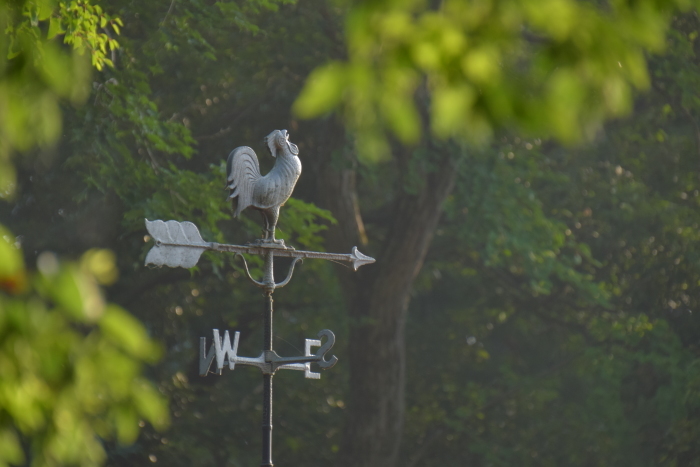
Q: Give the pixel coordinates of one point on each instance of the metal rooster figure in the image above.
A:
(179, 244)
(266, 194)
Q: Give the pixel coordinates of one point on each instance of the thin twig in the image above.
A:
(172, 3)
(285, 340)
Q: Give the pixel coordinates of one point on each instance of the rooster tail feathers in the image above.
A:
(242, 172)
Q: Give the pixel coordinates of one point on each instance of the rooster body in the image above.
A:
(264, 193)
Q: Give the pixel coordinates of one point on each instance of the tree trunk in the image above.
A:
(378, 297)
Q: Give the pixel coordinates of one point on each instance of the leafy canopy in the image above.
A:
(72, 364)
(468, 68)
(36, 73)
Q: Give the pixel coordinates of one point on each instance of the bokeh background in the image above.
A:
(525, 172)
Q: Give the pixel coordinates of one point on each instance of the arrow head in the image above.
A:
(358, 259)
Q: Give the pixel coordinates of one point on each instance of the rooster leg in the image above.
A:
(274, 214)
(266, 225)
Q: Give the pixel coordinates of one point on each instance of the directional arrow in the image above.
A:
(179, 244)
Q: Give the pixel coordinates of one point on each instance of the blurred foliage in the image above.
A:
(36, 73)
(579, 339)
(555, 320)
(466, 69)
(71, 363)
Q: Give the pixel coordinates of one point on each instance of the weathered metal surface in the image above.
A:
(224, 353)
(179, 244)
(268, 283)
(174, 233)
(264, 193)
(267, 422)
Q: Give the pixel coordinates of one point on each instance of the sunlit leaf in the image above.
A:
(322, 92)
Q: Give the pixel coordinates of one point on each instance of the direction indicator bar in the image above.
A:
(179, 244)
(223, 352)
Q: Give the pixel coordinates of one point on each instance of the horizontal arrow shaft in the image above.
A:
(181, 244)
(287, 253)
(357, 258)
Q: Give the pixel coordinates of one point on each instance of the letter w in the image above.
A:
(221, 349)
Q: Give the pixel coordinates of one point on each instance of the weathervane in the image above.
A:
(179, 244)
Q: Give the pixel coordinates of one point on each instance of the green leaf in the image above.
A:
(322, 92)
(128, 333)
(451, 105)
(12, 273)
(45, 9)
(10, 448)
(55, 28)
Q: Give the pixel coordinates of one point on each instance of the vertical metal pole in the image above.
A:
(269, 281)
